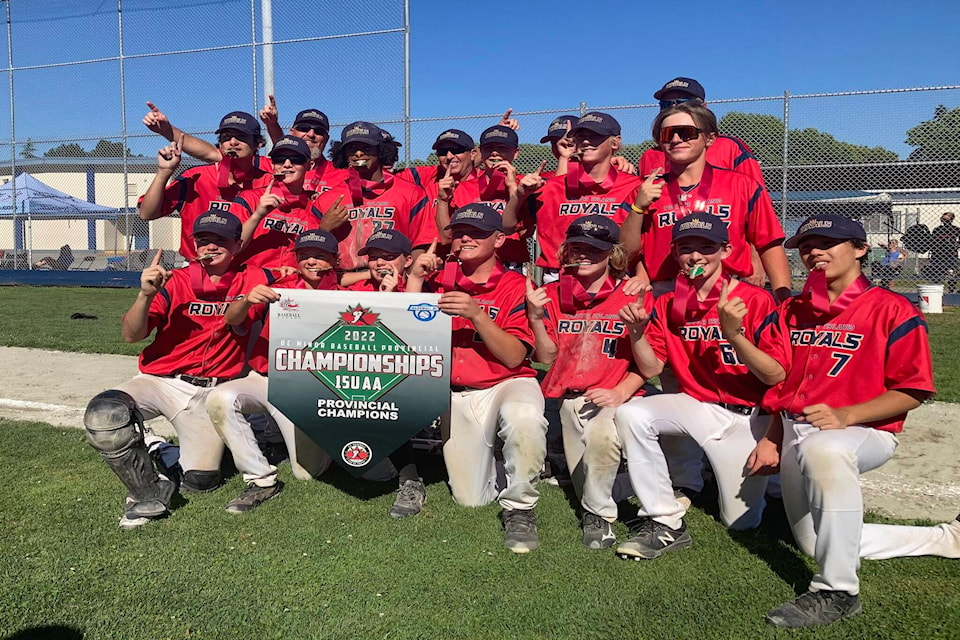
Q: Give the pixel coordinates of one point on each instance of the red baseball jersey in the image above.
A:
(706, 366)
(503, 298)
(322, 177)
(195, 191)
(555, 206)
(877, 343)
(479, 189)
(593, 344)
(727, 152)
(735, 198)
(420, 176)
(427, 178)
(399, 206)
(257, 324)
(272, 243)
(192, 337)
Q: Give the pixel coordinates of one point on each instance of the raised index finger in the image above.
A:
(530, 286)
(272, 99)
(156, 258)
(654, 175)
(506, 115)
(724, 291)
(152, 107)
(433, 248)
(543, 165)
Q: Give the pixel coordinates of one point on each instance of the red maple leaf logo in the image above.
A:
(359, 316)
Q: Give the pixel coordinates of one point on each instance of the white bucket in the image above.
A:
(931, 298)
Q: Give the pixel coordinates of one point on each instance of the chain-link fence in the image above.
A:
(890, 158)
(79, 74)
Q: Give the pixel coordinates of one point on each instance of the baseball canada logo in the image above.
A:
(356, 453)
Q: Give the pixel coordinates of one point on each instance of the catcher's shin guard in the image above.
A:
(115, 429)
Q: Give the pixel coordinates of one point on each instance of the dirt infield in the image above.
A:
(922, 480)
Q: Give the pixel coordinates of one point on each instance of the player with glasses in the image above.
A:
(313, 127)
(690, 183)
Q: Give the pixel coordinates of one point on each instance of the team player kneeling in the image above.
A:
(815, 388)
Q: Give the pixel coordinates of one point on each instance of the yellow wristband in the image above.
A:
(637, 209)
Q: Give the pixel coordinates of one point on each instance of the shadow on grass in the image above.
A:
(47, 633)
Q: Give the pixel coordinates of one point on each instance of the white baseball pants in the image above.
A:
(820, 471)
(726, 437)
(591, 445)
(511, 410)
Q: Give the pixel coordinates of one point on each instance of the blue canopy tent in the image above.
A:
(38, 201)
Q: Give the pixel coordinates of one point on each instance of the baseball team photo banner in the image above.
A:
(360, 373)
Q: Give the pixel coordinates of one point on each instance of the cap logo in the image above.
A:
(816, 224)
(470, 213)
(446, 135)
(591, 118)
(285, 141)
(496, 133)
(213, 219)
(316, 115)
(676, 83)
(358, 131)
(313, 237)
(233, 120)
(696, 224)
(589, 225)
(379, 236)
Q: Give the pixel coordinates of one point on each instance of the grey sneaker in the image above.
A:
(814, 609)
(652, 539)
(130, 520)
(410, 499)
(252, 497)
(597, 532)
(520, 530)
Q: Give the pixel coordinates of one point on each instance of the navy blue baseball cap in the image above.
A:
(239, 121)
(500, 134)
(360, 131)
(686, 85)
(386, 136)
(290, 146)
(454, 138)
(701, 225)
(597, 231)
(219, 222)
(828, 225)
(314, 117)
(389, 240)
(478, 215)
(317, 239)
(598, 122)
(559, 127)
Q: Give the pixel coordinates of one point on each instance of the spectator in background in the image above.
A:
(944, 242)
(891, 265)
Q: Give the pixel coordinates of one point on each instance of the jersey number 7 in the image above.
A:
(841, 361)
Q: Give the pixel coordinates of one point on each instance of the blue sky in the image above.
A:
(474, 57)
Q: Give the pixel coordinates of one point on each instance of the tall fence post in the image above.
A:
(406, 82)
(786, 155)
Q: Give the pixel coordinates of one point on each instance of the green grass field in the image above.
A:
(322, 560)
(39, 317)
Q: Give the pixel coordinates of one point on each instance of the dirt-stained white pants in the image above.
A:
(511, 410)
(726, 437)
(591, 445)
(182, 403)
(819, 472)
(226, 405)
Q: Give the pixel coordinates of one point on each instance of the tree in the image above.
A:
(764, 134)
(936, 139)
(107, 149)
(29, 150)
(72, 150)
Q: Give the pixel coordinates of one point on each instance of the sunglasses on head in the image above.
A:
(442, 151)
(304, 128)
(666, 104)
(686, 132)
(292, 159)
